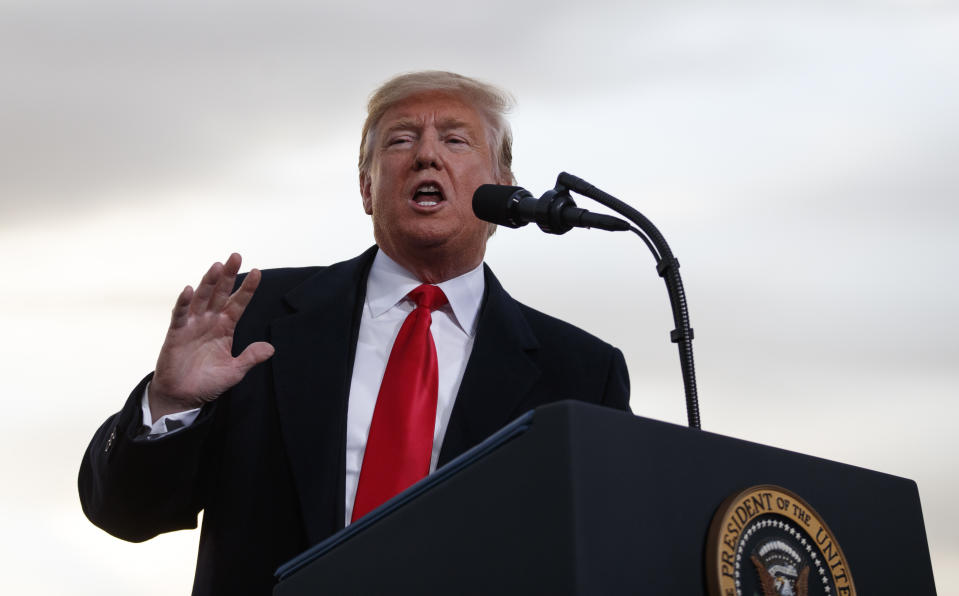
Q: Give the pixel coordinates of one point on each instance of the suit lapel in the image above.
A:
(313, 363)
(499, 374)
(312, 367)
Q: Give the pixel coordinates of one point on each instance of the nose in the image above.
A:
(427, 154)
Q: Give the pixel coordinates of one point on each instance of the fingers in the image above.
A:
(181, 309)
(224, 286)
(254, 354)
(204, 291)
(233, 263)
(214, 289)
(241, 298)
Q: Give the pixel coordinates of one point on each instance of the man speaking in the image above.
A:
(300, 400)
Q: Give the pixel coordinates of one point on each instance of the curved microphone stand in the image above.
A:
(668, 268)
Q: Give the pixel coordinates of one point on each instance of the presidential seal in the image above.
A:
(767, 541)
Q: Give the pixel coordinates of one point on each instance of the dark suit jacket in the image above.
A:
(265, 461)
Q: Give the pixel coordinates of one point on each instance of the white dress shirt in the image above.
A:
(384, 310)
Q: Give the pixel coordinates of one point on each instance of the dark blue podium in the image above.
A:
(577, 499)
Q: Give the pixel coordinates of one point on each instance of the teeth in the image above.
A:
(427, 203)
(428, 188)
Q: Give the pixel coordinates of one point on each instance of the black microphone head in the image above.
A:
(494, 203)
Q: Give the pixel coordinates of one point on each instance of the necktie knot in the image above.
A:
(427, 296)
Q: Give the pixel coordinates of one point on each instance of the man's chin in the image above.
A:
(424, 235)
(434, 240)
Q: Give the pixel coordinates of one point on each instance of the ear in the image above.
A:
(365, 185)
(505, 179)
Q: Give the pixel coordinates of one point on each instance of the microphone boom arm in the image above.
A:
(668, 268)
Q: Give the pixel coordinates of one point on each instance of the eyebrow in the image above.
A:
(451, 123)
(405, 123)
(445, 124)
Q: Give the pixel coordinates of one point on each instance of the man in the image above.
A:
(266, 404)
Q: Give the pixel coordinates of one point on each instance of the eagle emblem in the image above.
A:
(781, 569)
(767, 541)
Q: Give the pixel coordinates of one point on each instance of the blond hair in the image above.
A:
(491, 102)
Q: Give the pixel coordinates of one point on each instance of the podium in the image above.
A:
(572, 498)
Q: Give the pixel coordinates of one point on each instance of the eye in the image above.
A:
(398, 140)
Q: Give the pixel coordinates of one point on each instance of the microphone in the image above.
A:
(554, 212)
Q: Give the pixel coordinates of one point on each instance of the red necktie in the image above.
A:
(400, 443)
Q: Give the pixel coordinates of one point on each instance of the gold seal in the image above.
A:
(767, 540)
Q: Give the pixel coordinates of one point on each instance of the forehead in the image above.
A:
(435, 108)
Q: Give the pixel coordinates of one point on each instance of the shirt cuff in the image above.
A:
(167, 424)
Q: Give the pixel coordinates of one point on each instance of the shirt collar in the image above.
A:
(389, 283)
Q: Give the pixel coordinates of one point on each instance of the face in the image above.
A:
(430, 153)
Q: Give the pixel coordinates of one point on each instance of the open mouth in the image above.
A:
(427, 194)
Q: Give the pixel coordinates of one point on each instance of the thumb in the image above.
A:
(254, 354)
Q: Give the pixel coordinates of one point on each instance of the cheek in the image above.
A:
(382, 192)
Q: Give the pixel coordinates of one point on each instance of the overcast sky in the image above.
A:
(800, 158)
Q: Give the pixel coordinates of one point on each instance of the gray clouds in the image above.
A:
(798, 156)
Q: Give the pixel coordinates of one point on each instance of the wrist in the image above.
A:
(161, 404)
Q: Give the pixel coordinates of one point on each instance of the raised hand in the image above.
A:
(196, 362)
